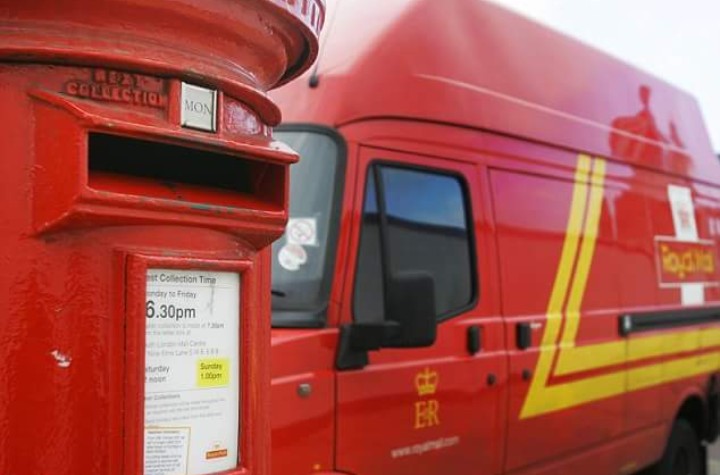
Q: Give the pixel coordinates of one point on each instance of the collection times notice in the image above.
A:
(191, 371)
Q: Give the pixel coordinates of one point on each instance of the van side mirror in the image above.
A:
(410, 322)
(411, 305)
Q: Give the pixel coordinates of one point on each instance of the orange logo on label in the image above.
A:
(685, 262)
(216, 454)
(427, 411)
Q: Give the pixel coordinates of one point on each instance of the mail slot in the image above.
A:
(141, 188)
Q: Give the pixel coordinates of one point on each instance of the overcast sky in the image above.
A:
(676, 40)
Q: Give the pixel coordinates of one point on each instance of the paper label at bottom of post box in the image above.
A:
(192, 371)
(166, 450)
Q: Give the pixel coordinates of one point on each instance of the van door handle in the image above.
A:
(474, 339)
(523, 335)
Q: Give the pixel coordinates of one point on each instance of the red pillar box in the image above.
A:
(141, 188)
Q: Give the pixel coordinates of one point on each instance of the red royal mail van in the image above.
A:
(502, 255)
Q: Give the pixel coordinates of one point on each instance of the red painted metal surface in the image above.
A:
(78, 234)
(485, 67)
(255, 46)
(515, 110)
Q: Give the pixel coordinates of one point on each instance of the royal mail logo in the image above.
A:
(686, 262)
(216, 454)
(217, 451)
(426, 382)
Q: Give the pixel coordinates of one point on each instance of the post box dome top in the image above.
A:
(244, 47)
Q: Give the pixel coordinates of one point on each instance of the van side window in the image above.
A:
(416, 220)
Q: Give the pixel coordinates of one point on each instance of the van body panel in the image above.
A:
(303, 398)
(485, 67)
(535, 209)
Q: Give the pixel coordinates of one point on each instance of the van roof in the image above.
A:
(475, 64)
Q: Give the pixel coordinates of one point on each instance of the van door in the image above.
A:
(438, 409)
(559, 262)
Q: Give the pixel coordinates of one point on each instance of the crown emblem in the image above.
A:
(426, 382)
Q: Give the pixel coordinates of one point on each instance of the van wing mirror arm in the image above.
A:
(357, 339)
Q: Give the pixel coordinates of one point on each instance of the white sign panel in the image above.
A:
(198, 107)
(192, 387)
(683, 214)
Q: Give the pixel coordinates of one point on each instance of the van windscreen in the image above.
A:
(303, 258)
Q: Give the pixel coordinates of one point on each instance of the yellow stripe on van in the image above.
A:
(582, 270)
(543, 397)
(534, 400)
(634, 349)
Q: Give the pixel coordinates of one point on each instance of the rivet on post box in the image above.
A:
(142, 188)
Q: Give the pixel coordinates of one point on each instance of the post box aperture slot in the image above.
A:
(159, 170)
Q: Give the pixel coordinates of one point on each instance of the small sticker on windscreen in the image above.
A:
(302, 231)
(291, 257)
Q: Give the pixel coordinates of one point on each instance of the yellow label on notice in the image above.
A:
(213, 372)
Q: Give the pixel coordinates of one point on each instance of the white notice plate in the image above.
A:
(198, 107)
(192, 387)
